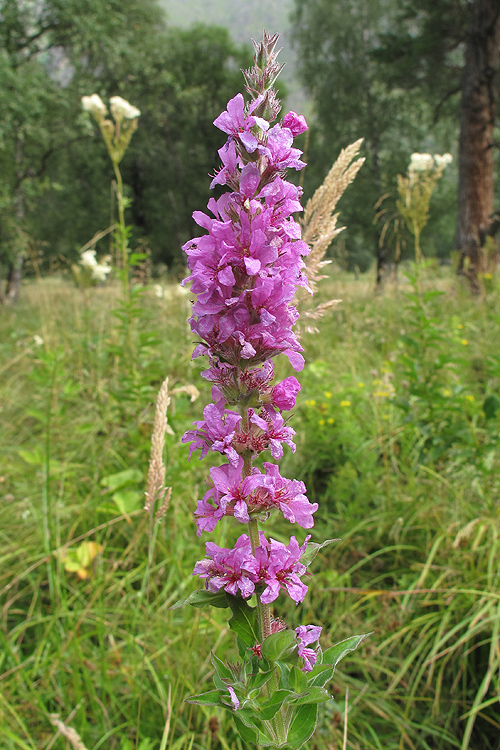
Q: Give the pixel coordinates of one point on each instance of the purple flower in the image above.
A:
(275, 431)
(295, 123)
(284, 394)
(234, 122)
(234, 699)
(279, 566)
(278, 150)
(307, 634)
(215, 432)
(288, 495)
(231, 569)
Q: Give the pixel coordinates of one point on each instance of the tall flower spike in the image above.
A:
(245, 268)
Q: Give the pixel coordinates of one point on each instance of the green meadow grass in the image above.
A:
(397, 439)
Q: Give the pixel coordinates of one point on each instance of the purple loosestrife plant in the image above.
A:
(245, 271)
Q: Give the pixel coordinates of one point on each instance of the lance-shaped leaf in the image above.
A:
(204, 598)
(279, 646)
(270, 708)
(312, 550)
(312, 695)
(243, 620)
(212, 698)
(222, 669)
(251, 736)
(335, 653)
(302, 726)
(323, 673)
(297, 680)
(256, 681)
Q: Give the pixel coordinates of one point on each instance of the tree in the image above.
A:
(336, 40)
(43, 49)
(54, 173)
(449, 49)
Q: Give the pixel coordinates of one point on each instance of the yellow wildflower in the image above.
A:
(327, 394)
(330, 420)
(345, 403)
(311, 402)
(464, 342)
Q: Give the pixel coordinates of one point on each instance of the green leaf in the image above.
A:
(249, 719)
(221, 668)
(35, 457)
(203, 598)
(312, 550)
(321, 674)
(334, 654)
(297, 680)
(490, 406)
(135, 258)
(127, 501)
(243, 620)
(279, 645)
(248, 734)
(257, 680)
(212, 698)
(121, 479)
(313, 695)
(302, 726)
(270, 708)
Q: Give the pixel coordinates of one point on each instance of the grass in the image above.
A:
(397, 431)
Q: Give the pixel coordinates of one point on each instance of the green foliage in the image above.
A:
(338, 62)
(407, 475)
(54, 173)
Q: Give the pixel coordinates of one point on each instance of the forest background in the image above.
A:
(387, 71)
(398, 420)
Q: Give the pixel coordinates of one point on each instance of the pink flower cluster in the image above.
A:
(272, 565)
(231, 495)
(245, 270)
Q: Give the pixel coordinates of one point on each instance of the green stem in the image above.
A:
(122, 229)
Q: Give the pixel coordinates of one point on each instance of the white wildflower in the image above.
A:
(421, 162)
(100, 272)
(159, 291)
(95, 105)
(443, 161)
(38, 341)
(121, 108)
(88, 259)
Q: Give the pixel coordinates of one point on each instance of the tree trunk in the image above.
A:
(15, 273)
(477, 117)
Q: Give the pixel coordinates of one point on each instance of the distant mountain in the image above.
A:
(245, 21)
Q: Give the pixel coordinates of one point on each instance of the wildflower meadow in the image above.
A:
(250, 499)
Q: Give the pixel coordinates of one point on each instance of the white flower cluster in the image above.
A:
(95, 105)
(98, 271)
(443, 161)
(121, 108)
(426, 162)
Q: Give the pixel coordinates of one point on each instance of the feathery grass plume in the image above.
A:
(319, 225)
(71, 734)
(156, 491)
